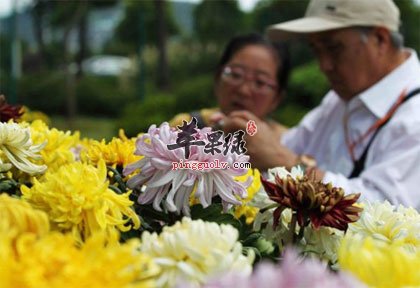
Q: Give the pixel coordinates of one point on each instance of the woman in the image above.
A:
(251, 75)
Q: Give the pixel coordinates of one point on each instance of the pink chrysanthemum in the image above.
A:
(161, 180)
(293, 272)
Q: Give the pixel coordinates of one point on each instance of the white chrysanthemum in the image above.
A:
(322, 243)
(386, 223)
(282, 172)
(194, 250)
(17, 148)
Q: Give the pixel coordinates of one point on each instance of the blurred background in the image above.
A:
(97, 66)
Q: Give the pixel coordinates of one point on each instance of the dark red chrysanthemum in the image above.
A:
(8, 111)
(322, 204)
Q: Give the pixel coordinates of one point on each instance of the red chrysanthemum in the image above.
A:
(8, 111)
(322, 204)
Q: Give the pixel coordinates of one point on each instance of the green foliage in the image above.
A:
(138, 116)
(46, 91)
(89, 127)
(218, 21)
(410, 15)
(289, 114)
(102, 95)
(307, 85)
(269, 12)
(195, 94)
(5, 48)
(159, 107)
(10, 186)
(43, 91)
(214, 213)
(139, 24)
(189, 58)
(54, 55)
(62, 13)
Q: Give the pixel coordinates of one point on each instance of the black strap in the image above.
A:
(200, 120)
(359, 164)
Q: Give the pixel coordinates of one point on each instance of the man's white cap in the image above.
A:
(324, 15)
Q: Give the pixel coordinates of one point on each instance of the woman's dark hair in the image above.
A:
(280, 50)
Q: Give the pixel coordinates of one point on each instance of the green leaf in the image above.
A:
(214, 213)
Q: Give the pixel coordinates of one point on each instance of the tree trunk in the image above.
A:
(71, 99)
(163, 69)
(82, 34)
(38, 14)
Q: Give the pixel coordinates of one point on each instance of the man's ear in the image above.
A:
(382, 38)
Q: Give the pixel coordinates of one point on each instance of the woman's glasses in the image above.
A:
(236, 76)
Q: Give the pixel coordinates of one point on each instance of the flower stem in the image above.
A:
(300, 234)
(292, 227)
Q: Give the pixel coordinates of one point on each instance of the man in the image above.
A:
(364, 136)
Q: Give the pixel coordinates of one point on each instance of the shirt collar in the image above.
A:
(381, 96)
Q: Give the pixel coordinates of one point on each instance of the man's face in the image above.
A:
(348, 60)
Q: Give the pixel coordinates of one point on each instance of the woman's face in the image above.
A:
(248, 82)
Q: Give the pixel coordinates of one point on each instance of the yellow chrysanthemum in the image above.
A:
(194, 250)
(77, 198)
(380, 264)
(17, 217)
(389, 224)
(245, 209)
(17, 149)
(54, 261)
(58, 150)
(30, 116)
(118, 152)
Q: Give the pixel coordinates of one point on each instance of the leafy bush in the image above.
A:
(289, 114)
(138, 116)
(188, 59)
(197, 93)
(44, 91)
(102, 96)
(159, 107)
(307, 86)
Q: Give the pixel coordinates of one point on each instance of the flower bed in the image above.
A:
(85, 213)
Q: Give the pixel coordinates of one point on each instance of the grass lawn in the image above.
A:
(90, 127)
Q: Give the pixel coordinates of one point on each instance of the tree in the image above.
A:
(217, 21)
(38, 14)
(147, 23)
(410, 16)
(269, 12)
(66, 16)
(129, 30)
(162, 68)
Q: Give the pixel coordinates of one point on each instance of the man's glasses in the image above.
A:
(236, 76)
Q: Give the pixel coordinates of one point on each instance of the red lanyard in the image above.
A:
(351, 145)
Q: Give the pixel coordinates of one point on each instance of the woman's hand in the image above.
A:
(264, 148)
